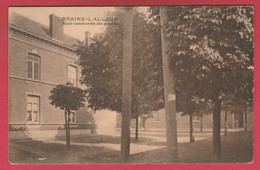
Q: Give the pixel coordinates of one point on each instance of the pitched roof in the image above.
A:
(36, 28)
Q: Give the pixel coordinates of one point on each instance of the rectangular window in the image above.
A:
(33, 110)
(73, 75)
(156, 116)
(211, 117)
(33, 67)
(72, 117)
(236, 116)
(118, 117)
(195, 118)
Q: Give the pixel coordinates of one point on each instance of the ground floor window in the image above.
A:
(236, 116)
(72, 117)
(195, 118)
(211, 117)
(156, 116)
(33, 109)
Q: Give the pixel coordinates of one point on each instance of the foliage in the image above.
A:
(212, 50)
(67, 97)
(211, 54)
(102, 70)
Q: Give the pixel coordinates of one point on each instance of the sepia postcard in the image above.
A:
(131, 85)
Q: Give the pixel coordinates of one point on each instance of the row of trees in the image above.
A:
(211, 57)
(211, 61)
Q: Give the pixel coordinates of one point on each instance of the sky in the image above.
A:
(41, 15)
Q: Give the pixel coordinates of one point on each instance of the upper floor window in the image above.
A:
(73, 75)
(33, 109)
(33, 66)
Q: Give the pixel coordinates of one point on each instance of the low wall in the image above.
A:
(46, 131)
(45, 134)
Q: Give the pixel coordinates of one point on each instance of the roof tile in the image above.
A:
(36, 28)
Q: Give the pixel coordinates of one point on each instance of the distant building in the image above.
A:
(40, 58)
(157, 120)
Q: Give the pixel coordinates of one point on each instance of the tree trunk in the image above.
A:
(216, 129)
(201, 124)
(136, 128)
(245, 118)
(68, 128)
(191, 129)
(127, 83)
(169, 94)
(226, 123)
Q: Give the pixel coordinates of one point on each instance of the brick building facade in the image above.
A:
(40, 58)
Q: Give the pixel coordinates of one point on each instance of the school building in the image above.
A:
(41, 57)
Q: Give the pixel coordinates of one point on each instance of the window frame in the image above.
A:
(32, 110)
(236, 116)
(75, 118)
(76, 74)
(118, 117)
(156, 114)
(195, 119)
(33, 66)
(211, 117)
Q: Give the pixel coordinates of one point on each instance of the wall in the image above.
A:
(105, 122)
(54, 63)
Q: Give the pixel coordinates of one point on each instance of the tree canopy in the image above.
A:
(102, 62)
(211, 50)
(67, 97)
(211, 54)
(213, 47)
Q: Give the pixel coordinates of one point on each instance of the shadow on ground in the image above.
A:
(237, 147)
(36, 152)
(112, 140)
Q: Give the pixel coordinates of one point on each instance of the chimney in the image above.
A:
(87, 38)
(56, 28)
